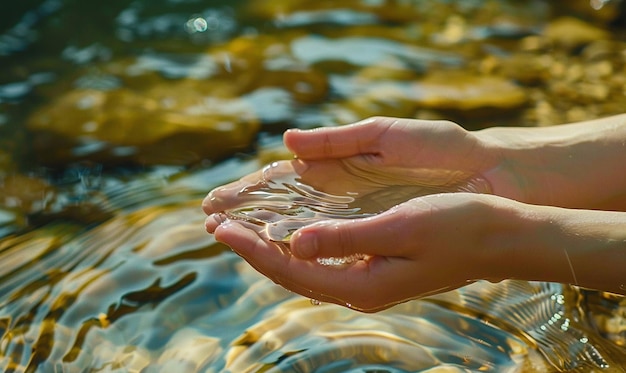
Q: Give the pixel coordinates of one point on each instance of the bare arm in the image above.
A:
(579, 247)
(549, 226)
(579, 165)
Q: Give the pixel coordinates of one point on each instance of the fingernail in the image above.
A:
(220, 217)
(304, 245)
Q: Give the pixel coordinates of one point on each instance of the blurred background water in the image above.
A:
(116, 117)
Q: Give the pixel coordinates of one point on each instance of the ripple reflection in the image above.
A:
(150, 291)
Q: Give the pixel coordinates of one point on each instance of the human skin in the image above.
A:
(544, 216)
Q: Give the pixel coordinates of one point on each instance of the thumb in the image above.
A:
(344, 238)
(338, 142)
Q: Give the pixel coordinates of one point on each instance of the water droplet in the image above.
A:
(622, 287)
(315, 302)
(349, 305)
(558, 298)
(336, 261)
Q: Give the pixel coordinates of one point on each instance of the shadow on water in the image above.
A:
(117, 117)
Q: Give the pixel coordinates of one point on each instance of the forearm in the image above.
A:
(581, 247)
(596, 245)
(580, 165)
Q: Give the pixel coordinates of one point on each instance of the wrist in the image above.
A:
(518, 245)
(512, 174)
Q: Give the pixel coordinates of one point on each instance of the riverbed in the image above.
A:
(117, 117)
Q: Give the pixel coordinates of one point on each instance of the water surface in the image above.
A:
(117, 117)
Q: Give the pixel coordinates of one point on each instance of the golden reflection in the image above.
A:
(151, 288)
(133, 283)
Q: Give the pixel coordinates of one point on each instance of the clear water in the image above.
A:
(105, 263)
(286, 197)
(149, 291)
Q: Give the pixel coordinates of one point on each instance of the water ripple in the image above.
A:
(150, 290)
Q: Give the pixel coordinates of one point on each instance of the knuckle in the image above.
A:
(327, 149)
(345, 240)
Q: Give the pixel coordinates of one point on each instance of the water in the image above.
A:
(598, 4)
(288, 195)
(117, 117)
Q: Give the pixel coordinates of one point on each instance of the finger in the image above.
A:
(221, 198)
(382, 235)
(238, 193)
(338, 142)
(277, 264)
(362, 285)
(228, 196)
(213, 221)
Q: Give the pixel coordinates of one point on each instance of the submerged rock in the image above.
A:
(453, 92)
(26, 194)
(169, 109)
(174, 124)
(596, 10)
(456, 90)
(573, 32)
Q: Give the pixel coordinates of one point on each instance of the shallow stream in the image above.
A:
(117, 117)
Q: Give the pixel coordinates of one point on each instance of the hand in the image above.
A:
(424, 246)
(437, 242)
(363, 159)
(370, 156)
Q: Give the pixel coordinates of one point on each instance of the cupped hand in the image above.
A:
(363, 159)
(424, 246)
(410, 245)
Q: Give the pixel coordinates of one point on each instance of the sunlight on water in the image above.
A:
(111, 136)
(598, 4)
(149, 291)
(334, 261)
(288, 194)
